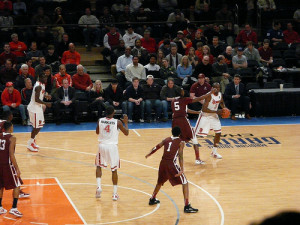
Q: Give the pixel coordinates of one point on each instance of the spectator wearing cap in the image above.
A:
(228, 56)
(140, 52)
(180, 41)
(152, 68)
(148, 42)
(7, 54)
(203, 67)
(96, 98)
(235, 96)
(265, 52)
(199, 88)
(8, 73)
(40, 67)
(81, 80)
(167, 71)
(130, 37)
(152, 99)
(174, 57)
(122, 62)
(114, 95)
(135, 69)
(34, 53)
(111, 41)
(246, 35)
(251, 52)
(199, 37)
(239, 61)
(60, 76)
(51, 56)
(11, 100)
(71, 56)
(90, 25)
(20, 81)
(275, 35)
(220, 73)
(16, 46)
(26, 92)
(290, 36)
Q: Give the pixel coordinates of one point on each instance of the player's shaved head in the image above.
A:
(109, 111)
(216, 84)
(176, 131)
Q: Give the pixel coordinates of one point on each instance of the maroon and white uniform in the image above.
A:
(209, 121)
(168, 167)
(8, 173)
(179, 109)
(1, 125)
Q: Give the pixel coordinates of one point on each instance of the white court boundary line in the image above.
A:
(136, 132)
(150, 167)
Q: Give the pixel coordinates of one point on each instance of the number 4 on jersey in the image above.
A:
(107, 128)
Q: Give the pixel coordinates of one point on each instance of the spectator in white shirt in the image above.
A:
(152, 68)
(135, 69)
(122, 62)
(130, 37)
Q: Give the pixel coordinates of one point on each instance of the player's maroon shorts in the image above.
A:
(187, 132)
(167, 171)
(8, 177)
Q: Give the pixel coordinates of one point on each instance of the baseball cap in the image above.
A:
(150, 76)
(180, 32)
(9, 84)
(240, 49)
(201, 75)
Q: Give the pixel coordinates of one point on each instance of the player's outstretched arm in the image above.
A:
(124, 128)
(153, 150)
(180, 157)
(203, 97)
(37, 97)
(12, 157)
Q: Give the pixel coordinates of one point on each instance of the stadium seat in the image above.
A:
(251, 86)
(252, 63)
(288, 85)
(278, 62)
(276, 54)
(278, 81)
(269, 85)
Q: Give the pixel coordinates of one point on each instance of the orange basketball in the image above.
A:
(225, 113)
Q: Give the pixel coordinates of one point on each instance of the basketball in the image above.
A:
(225, 113)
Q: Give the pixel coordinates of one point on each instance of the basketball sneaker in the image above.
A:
(215, 155)
(31, 147)
(199, 162)
(38, 147)
(23, 194)
(15, 212)
(115, 197)
(189, 209)
(153, 201)
(2, 210)
(98, 192)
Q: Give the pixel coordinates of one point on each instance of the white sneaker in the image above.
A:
(98, 192)
(142, 121)
(15, 212)
(129, 121)
(31, 147)
(115, 197)
(2, 210)
(36, 144)
(199, 162)
(24, 195)
(216, 155)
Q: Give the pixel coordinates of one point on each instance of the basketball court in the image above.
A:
(258, 176)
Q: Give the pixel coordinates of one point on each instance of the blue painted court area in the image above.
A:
(52, 127)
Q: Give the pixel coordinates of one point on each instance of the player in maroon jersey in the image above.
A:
(169, 169)
(180, 110)
(9, 170)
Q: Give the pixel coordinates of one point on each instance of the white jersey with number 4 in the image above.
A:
(34, 106)
(108, 131)
(214, 102)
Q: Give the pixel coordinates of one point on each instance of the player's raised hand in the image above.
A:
(125, 119)
(146, 156)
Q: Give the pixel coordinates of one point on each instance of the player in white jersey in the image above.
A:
(36, 109)
(208, 118)
(108, 131)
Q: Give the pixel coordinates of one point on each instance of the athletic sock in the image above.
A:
(98, 179)
(115, 189)
(197, 154)
(15, 202)
(0, 202)
(214, 150)
(186, 202)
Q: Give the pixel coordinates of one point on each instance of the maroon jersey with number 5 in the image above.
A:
(179, 106)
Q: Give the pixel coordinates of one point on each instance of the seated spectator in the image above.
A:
(216, 49)
(165, 47)
(7, 23)
(160, 57)
(190, 30)
(126, 16)
(90, 25)
(11, 100)
(20, 81)
(81, 80)
(220, 73)
(174, 57)
(203, 67)
(239, 61)
(120, 50)
(206, 52)
(251, 52)
(41, 31)
(184, 70)
(96, 97)
(7, 74)
(16, 46)
(66, 98)
(152, 68)
(130, 37)
(235, 96)
(290, 36)
(135, 69)
(167, 94)
(114, 95)
(199, 50)
(214, 30)
(140, 52)
(71, 56)
(111, 41)
(50, 87)
(142, 17)
(51, 56)
(228, 56)
(188, 44)
(60, 76)
(7, 54)
(167, 71)
(34, 53)
(275, 34)
(26, 92)
(148, 42)
(152, 99)
(19, 8)
(246, 35)
(40, 67)
(63, 45)
(199, 37)
(58, 20)
(134, 95)
(122, 62)
(106, 19)
(265, 53)
(198, 89)
(193, 59)
(224, 14)
(180, 41)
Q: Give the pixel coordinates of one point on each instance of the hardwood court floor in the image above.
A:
(258, 176)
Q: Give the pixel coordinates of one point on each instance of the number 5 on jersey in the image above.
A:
(176, 106)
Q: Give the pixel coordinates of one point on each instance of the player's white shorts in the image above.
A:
(37, 119)
(207, 122)
(108, 154)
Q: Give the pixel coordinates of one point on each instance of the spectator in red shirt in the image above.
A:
(290, 36)
(71, 56)
(11, 99)
(61, 75)
(148, 42)
(6, 5)
(82, 80)
(246, 35)
(7, 54)
(265, 53)
(31, 70)
(16, 46)
(206, 52)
